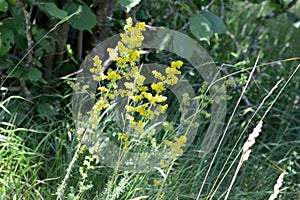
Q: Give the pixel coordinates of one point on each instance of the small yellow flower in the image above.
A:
(161, 109)
(176, 64)
(140, 80)
(154, 99)
(113, 76)
(97, 62)
(123, 136)
(158, 87)
(143, 88)
(142, 110)
(103, 89)
(158, 75)
(156, 182)
(176, 146)
(136, 98)
(181, 140)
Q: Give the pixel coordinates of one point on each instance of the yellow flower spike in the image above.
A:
(142, 110)
(160, 98)
(97, 62)
(172, 71)
(123, 136)
(129, 117)
(134, 72)
(136, 98)
(172, 80)
(128, 23)
(177, 150)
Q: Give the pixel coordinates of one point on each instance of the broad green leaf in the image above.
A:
(33, 74)
(85, 20)
(52, 10)
(46, 110)
(216, 22)
(128, 4)
(205, 24)
(3, 6)
(8, 38)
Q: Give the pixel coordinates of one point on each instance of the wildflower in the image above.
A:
(154, 99)
(156, 182)
(142, 110)
(158, 75)
(125, 138)
(103, 89)
(176, 146)
(158, 87)
(97, 63)
(177, 64)
(140, 80)
(171, 76)
(161, 109)
(113, 76)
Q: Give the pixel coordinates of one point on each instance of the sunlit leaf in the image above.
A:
(205, 24)
(85, 20)
(128, 4)
(52, 10)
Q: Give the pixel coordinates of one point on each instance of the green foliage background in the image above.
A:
(43, 43)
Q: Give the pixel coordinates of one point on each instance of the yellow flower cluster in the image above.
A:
(144, 102)
(176, 146)
(171, 72)
(127, 52)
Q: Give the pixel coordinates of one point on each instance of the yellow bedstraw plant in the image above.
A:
(144, 102)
